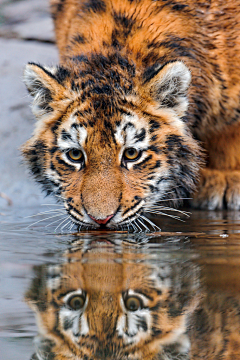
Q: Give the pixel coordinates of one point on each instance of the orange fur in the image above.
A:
(124, 76)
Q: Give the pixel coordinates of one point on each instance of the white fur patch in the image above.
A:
(37, 88)
(127, 325)
(76, 317)
(78, 135)
(126, 135)
(172, 83)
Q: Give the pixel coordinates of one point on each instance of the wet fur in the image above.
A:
(125, 62)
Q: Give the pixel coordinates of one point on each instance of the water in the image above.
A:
(112, 293)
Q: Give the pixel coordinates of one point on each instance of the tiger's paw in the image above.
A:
(217, 190)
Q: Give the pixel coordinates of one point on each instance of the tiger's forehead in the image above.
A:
(123, 129)
(132, 131)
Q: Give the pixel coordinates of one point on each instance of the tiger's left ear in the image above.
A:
(168, 86)
(43, 86)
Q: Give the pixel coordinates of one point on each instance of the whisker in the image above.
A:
(142, 223)
(44, 212)
(66, 224)
(71, 226)
(36, 222)
(139, 227)
(175, 199)
(164, 214)
(155, 207)
(54, 221)
(60, 197)
(51, 205)
(155, 227)
(133, 225)
(61, 223)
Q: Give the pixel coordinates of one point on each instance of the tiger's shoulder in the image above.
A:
(162, 32)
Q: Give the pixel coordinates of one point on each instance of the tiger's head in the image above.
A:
(106, 303)
(111, 141)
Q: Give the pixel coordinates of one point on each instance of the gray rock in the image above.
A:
(16, 120)
(40, 30)
(29, 20)
(15, 12)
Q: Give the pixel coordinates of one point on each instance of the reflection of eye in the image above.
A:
(75, 155)
(133, 303)
(131, 154)
(76, 302)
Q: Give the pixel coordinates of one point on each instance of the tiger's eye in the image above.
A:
(75, 155)
(76, 302)
(131, 154)
(133, 303)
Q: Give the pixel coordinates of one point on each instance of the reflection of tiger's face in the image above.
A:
(113, 308)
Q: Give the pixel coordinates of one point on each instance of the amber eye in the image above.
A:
(76, 302)
(75, 155)
(131, 154)
(133, 303)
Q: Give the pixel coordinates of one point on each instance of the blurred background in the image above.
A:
(26, 34)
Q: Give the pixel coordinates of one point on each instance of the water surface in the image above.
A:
(190, 269)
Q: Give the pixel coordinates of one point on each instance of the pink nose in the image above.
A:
(104, 221)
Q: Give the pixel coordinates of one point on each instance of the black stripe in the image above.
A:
(142, 323)
(128, 125)
(80, 39)
(132, 207)
(140, 165)
(62, 162)
(155, 149)
(139, 291)
(157, 165)
(65, 135)
(97, 6)
(67, 324)
(154, 125)
(141, 136)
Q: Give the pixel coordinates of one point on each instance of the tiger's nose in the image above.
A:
(101, 221)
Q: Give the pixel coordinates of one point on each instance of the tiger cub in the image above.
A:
(140, 84)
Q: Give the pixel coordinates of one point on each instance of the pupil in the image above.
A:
(132, 305)
(76, 153)
(77, 303)
(131, 152)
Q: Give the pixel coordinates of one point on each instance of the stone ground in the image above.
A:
(26, 34)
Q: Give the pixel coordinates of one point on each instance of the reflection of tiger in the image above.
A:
(114, 135)
(113, 306)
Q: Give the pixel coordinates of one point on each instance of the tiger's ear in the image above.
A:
(42, 85)
(168, 85)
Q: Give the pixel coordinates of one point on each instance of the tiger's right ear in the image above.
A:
(43, 86)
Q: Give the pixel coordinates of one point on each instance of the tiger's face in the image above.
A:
(113, 306)
(111, 142)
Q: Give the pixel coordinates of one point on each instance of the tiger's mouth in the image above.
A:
(132, 220)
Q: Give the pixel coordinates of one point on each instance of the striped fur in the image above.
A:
(155, 76)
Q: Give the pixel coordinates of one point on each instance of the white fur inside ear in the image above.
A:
(31, 80)
(36, 81)
(170, 87)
